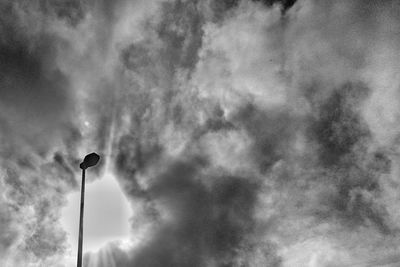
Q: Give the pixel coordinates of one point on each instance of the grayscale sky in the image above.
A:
(231, 132)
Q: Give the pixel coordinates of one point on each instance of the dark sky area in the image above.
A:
(242, 133)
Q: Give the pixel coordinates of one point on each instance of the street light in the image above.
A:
(90, 160)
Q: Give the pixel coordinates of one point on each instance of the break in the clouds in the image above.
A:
(244, 133)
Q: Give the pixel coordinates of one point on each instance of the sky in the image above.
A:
(231, 132)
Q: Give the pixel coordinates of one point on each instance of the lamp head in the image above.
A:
(90, 160)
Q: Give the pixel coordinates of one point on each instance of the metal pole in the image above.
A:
(79, 263)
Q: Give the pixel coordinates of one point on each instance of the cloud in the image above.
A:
(197, 225)
(246, 133)
(34, 92)
(36, 110)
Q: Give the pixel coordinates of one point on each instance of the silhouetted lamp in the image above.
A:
(90, 160)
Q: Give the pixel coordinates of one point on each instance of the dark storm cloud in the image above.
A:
(286, 4)
(354, 200)
(222, 6)
(132, 157)
(35, 98)
(71, 11)
(27, 81)
(343, 136)
(203, 219)
(199, 224)
(272, 132)
(338, 126)
(64, 168)
(218, 122)
(180, 31)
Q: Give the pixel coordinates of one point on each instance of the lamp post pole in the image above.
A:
(79, 263)
(89, 161)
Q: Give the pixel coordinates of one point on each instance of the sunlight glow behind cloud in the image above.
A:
(107, 212)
